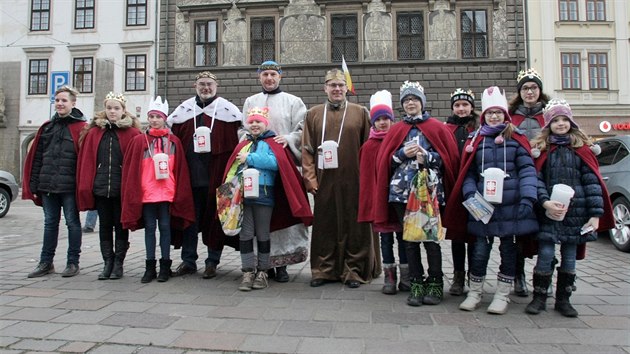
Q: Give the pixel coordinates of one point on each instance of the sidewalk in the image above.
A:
(193, 315)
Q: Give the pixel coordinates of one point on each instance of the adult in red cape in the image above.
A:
(182, 211)
(223, 119)
(291, 202)
(49, 180)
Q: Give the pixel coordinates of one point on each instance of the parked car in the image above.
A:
(614, 165)
(8, 192)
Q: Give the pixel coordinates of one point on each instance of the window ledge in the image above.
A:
(136, 45)
(584, 24)
(38, 50)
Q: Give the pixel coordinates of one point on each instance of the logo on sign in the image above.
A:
(58, 79)
(605, 126)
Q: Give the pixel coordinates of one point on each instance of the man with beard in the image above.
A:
(207, 126)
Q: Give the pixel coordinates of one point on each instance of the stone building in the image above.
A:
(444, 44)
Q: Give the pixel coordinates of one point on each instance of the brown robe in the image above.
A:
(342, 249)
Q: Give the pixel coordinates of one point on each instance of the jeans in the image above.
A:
(387, 248)
(52, 204)
(481, 255)
(109, 210)
(160, 212)
(90, 219)
(546, 252)
(191, 234)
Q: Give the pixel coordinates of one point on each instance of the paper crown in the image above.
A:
(260, 114)
(270, 65)
(116, 97)
(493, 97)
(528, 75)
(557, 107)
(459, 94)
(206, 74)
(335, 74)
(158, 106)
(381, 105)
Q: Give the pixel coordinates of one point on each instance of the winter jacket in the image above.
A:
(109, 159)
(461, 128)
(529, 120)
(54, 164)
(158, 190)
(564, 166)
(261, 158)
(515, 215)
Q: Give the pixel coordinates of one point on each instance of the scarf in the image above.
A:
(256, 139)
(158, 132)
(377, 134)
(487, 130)
(416, 119)
(461, 121)
(272, 92)
(564, 139)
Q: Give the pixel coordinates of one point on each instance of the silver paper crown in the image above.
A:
(460, 91)
(116, 97)
(556, 102)
(530, 73)
(411, 84)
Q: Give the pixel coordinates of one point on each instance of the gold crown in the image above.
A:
(255, 111)
(460, 91)
(556, 102)
(411, 84)
(335, 74)
(206, 74)
(116, 97)
(530, 73)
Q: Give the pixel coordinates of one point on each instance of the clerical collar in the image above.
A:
(335, 106)
(272, 92)
(203, 104)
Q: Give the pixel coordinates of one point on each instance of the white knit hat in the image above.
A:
(493, 97)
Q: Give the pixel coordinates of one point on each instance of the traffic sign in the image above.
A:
(58, 79)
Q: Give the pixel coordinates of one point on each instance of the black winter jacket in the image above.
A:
(564, 166)
(109, 160)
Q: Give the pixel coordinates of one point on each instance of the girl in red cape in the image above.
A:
(419, 140)
(282, 202)
(497, 144)
(156, 189)
(103, 145)
(565, 158)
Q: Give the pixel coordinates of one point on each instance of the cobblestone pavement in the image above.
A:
(193, 315)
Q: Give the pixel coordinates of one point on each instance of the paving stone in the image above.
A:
(35, 314)
(33, 292)
(4, 310)
(305, 329)
(615, 300)
(77, 347)
(280, 302)
(598, 336)
(588, 349)
(44, 302)
(288, 314)
(319, 304)
(553, 319)
(462, 347)
(613, 310)
(6, 299)
(222, 301)
(341, 316)
(529, 348)
(86, 332)
(330, 345)
(367, 330)
(170, 299)
(83, 317)
(38, 345)
(510, 320)
(486, 335)
(128, 296)
(142, 320)
(28, 329)
(146, 336)
(114, 348)
(233, 325)
(455, 319)
(237, 312)
(76, 304)
(155, 350)
(181, 310)
(432, 333)
(210, 341)
(197, 324)
(606, 322)
(379, 346)
(267, 344)
(7, 341)
(543, 335)
(129, 306)
(82, 294)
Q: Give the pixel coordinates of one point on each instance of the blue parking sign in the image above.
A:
(58, 79)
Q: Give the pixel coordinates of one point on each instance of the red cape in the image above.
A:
(367, 179)
(75, 131)
(182, 209)
(291, 202)
(86, 168)
(517, 119)
(456, 216)
(442, 141)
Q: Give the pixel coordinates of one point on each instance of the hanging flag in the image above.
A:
(346, 72)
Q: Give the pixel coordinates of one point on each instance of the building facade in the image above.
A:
(94, 46)
(581, 48)
(444, 44)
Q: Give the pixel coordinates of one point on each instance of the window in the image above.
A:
(84, 14)
(82, 74)
(262, 37)
(570, 70)
(344, 37)
(136, 72)
(40, 15)
(595, 10)
(474, 34)
(206, 43)
(568, 10)
(136, 12)
(410, 32)
(598, 70)
(613, 151)
(38, 77)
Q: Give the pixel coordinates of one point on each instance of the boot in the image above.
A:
(108, 260)
(416, 292)
(554, 262)
(539, 302)
(165, 270)
(564, 288)
(389, 286)
(520, 282)
(119, 257)
(501, 299)
(457, 288)
(433, 290)
(405, 282)
(473, 298)
(149, 272)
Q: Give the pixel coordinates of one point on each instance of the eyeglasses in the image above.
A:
(532, 89)
(411, 99)
(494, 113)
(206, 84)
(333, 85)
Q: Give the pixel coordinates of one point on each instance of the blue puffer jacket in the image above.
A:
(515, 215)
(261, 157)
(564, 166)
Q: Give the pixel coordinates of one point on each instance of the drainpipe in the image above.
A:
(166, 46)
(526, 35)
(156, 50)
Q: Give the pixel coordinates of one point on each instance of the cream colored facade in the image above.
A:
(548, 38)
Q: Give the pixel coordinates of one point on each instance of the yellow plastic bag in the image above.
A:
(422, 221)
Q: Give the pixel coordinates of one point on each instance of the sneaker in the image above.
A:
(87, 230)
(247, 282)
(41, 270)
(70, 271)
(261, 280)
(433, 291)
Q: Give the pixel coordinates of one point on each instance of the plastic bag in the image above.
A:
(230, 205)
(422, 221)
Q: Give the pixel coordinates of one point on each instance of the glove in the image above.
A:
(525, 208)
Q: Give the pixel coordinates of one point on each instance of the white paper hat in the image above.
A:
(159, 106)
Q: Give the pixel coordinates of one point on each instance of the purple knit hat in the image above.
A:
(558, 107)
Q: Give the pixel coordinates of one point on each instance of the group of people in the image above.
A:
(362, 169)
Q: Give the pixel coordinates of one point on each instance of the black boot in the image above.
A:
(554, 262)
(119, 257)
(564, 288)
(149, 272)
(165, 270)
(108, 260)
(520, 283)
(539, 302)
(282, 276)
(416, 293)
